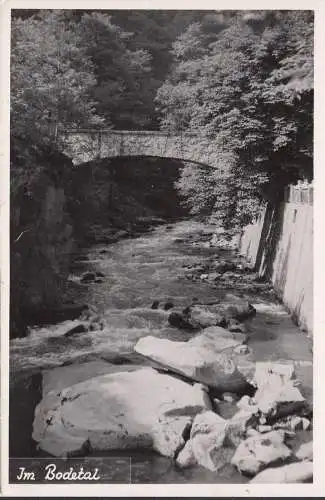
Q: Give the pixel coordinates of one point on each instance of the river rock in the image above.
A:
(264, 428)
(234, 326)
(298, 472)
(87, 277)
(285, 370)
(69, 328)
(216, 343)
(260, 451)
(168, 305)
(230, 308)
(203, 316)
(81, 328)
(242, 349)
(224, 265)
(122, 410)
(198, 363)
(186, 456)
(207, 440)
(277, 394)
(61, 377)
(181, 321)
(229, 397)
(293, 423)
(239, 424)
(214, 332)
(237, 308)
(305, 451)
(240, 311)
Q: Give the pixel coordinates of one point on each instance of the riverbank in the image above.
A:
(174, 263)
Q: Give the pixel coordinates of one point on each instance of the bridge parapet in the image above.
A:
(88, 144)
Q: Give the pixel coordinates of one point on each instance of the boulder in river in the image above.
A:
(87, 277)
(222, 266)
(168, 305)
(62, 377)
(305, 451)
(260, 451)
(181, 321)
(119, 410)
(293, 423)
(186, 457)
(75, 330)
(91, 277)
(234, 326)
(207, 440)
(215, 341)
(297, 472)
(231, 310)
(217, 331)
(239, 424)
(194, 361)
(277, 394)
(203, 316)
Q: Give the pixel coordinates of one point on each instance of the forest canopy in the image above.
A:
(242, 79)
(246, 81)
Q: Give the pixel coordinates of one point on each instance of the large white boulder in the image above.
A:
(137, 409)
(207, 441)
(213, 440)
(239, 424)
(305, 451)
(260, 451)
(217, 339)
(298, 472)
(195, 361)
(65, 376)
(264, 370)
(186, 457)
(277, 392)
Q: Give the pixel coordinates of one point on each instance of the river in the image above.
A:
(157, 266)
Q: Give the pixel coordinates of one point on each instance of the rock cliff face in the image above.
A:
(41, 245)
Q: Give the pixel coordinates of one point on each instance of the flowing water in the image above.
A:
(137, 272)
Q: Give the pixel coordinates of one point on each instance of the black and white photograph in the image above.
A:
(161, 247)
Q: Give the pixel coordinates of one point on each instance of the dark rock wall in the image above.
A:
(41, 244)
(68, 208)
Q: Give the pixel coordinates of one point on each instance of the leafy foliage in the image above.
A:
(51, 77)
(245, 79)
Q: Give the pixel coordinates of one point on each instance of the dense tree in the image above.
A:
(245, 80)
(51, 77)
(131, 55)
(51, 82)
(123, 76)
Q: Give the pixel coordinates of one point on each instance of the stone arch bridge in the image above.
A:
(83, 145)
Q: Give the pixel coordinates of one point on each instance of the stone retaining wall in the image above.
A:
(280, 245)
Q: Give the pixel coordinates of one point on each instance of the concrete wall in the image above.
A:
(82, 146)
(280, 246)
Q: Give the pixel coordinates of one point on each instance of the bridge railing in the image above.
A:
(303, 193)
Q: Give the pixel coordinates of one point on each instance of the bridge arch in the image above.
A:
(86, 145)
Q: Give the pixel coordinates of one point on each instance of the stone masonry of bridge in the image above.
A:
(86, 145)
